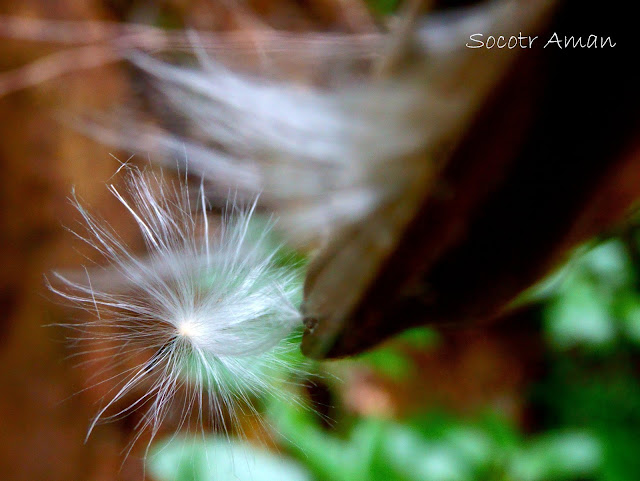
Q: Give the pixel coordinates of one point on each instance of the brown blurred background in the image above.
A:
(44, 409)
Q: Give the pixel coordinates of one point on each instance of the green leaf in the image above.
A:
(326, 456)
(389, 362)
(630, 313)
(558, 456)
(580, 316)
(217, 459)
(610, 264)
(417, 459)
(384, 7)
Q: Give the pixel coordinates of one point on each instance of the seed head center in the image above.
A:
(188, 328)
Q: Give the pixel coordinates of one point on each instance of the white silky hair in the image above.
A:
(320, 158)
(205, 313)
(325, 154)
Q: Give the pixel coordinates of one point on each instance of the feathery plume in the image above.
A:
(328, 143)
(204, 314)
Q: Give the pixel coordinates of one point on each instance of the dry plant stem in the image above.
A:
(357, 16)
(55, 65)
(65, 31)
(401, 38)
(113, 41)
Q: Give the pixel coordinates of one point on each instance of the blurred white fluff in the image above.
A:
(328, 144)
(319, 157)
(204, 314)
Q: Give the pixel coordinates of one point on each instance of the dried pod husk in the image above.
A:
(536, 171)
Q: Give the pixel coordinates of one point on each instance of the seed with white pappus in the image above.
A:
(206, 312)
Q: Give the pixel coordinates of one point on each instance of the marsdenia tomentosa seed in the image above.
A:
(210, 306)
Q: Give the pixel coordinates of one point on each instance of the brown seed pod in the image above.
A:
(535, 170)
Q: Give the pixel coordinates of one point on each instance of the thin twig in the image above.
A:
(400, 38)
(55, 65)
(107, 42)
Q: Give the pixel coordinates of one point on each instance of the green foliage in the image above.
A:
(592, 302)
(588, 404)
(392, 361)
(220, 459)
(435, 449)
(592, 318)
(384, 7)
(602, 395)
